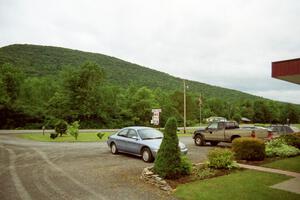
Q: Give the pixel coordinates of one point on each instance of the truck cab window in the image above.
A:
(221, 126)
(213, 126)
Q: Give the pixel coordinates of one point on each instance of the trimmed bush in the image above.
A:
(292, 139)
(168, 163)
(220, 158)
(279, 147)
(249, 149)
(61, 127)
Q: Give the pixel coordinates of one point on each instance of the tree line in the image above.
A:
(84, 94)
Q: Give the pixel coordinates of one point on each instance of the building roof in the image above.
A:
(287, 70)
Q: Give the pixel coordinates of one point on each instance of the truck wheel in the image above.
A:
(199, 141)
(214, 143)
(234, 137)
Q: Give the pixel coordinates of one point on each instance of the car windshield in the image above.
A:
(148, 134)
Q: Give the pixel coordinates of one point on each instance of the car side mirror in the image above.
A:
(135, 138)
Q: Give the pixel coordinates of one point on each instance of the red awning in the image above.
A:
(287, 70)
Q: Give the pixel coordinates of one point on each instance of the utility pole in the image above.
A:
(184, 107)
(200, 104)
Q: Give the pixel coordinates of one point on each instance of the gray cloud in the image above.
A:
(225, 43)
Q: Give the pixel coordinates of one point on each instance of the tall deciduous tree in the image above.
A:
(142, 103)
(10, 82)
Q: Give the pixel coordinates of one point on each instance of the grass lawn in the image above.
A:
(83, 137)
(240, 185)
(297, 125)
(289, 164)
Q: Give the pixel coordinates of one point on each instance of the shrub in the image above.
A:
(292, 139)
(203, 173)
(100, 135)
(53, 135)
(249, 149)
(221, 158)
(61, 127)
(73, 129)
(185, 166)
(279, 147)
(168, 162)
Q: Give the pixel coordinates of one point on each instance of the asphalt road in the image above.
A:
(86, 170)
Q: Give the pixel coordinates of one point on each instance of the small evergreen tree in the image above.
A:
(168, 161)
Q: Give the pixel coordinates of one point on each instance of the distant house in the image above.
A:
(245, 120)
(216, 119)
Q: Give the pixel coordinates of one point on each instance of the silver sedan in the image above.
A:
(140, 141)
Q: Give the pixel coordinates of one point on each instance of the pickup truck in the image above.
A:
(228, 131)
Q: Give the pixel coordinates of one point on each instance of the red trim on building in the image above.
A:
(286, 68)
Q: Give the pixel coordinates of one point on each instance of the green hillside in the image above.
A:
(44, 60)
(42, 86)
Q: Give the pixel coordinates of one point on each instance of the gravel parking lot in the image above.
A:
(86, 170)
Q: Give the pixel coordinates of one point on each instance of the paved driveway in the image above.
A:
(42, 170)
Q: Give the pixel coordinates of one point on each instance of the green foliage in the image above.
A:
(168, 162)
(205, 172)
(279, 147)
(73, 129)
(185, 165)
(220, 158)
(61, 127)
(249, 148)
(10, 82)
(142, 103)
(100, 135)
(292, 139)
(106, 92)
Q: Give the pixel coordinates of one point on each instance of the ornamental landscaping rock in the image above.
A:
(154, 179)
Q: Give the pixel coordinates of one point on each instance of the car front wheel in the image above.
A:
(147, 155)
(113, 148)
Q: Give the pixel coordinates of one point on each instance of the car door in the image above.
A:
(210, 131)
(133, 142)
(220, 132)
(121, 140)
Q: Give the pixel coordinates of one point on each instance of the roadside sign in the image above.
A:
(156, 110)
(155, 116)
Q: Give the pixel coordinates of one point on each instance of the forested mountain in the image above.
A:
(42, 85)
(45, 60)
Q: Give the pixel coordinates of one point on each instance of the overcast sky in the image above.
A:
(225, 43)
